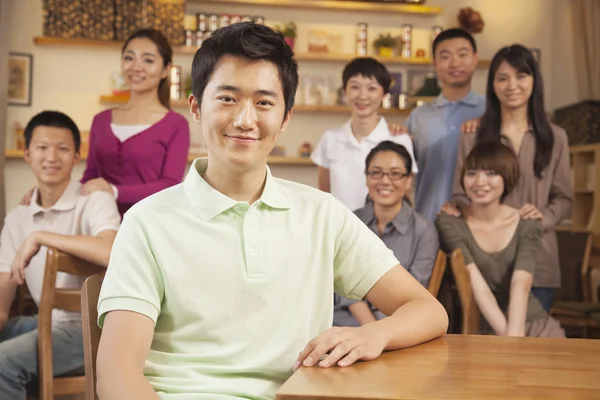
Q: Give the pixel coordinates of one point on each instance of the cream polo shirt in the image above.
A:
(345, 156)
(73, 214)
(236, 290)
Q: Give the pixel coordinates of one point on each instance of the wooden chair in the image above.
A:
(437, 274)
(91, 331)
(583, 314)
(470, 312)
(65, 299)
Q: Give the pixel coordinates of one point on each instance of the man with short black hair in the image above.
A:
(57, 216)
(436, 126)
(217, 284)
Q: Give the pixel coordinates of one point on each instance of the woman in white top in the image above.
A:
(341, 153)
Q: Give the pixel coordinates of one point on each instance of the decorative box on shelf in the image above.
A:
(90, 19)
(165, 15)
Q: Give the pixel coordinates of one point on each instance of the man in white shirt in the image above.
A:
(57, 216)
(342, 151)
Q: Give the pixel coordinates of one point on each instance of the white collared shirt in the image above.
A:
(344, 156)
(72, 214)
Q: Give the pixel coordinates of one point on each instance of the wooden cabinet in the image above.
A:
(586, 187)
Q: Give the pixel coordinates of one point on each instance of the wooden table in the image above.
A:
(462, 367)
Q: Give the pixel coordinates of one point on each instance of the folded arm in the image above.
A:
(414, 315)
(95, 249)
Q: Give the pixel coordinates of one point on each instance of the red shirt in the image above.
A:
(144, 164)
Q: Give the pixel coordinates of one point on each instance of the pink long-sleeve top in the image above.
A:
(144, 164)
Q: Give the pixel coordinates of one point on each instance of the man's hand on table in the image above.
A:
(343, 346)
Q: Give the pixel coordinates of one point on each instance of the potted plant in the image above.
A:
(289, 32)
(384, 44)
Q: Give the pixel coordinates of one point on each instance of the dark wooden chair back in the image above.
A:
(470, 312)
(91, 331)
(65, 299)
(437, 274)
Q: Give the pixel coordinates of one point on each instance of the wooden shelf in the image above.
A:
(191, 50)
(570, 228)
(300, 108)
(333, 5)
(344, 58)
(273, 160)
(583, 191)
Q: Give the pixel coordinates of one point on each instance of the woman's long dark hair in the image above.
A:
(166, 52)
(520, 58)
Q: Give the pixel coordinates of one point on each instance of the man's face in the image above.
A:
(51, 154)
(242, 112)
(455, 62)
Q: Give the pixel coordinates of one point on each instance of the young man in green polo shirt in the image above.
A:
(220, 287)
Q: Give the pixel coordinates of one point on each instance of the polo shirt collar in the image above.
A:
(209, 202)
(471, 99)
(401, 221)
(66, 202)
(379, 134)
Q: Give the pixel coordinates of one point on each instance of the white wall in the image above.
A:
(72, 79)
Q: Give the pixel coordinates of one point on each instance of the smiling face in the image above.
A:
(242, 112)
(51, 155)
(513, 88)
(142, 66)
(364, 95)
(455, 62)
(387, 179)
(482, 186)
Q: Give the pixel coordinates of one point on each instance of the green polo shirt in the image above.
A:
(236, 290)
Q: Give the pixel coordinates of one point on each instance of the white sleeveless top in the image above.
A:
(124, 132)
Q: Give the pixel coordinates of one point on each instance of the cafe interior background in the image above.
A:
(77, 72)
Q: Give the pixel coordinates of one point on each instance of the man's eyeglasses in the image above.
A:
(393, 175)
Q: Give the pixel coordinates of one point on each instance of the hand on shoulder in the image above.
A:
(471, 126)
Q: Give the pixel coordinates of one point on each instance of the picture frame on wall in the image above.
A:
(537, 54)
(20, 74)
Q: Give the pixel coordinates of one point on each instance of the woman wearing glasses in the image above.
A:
(388, 213)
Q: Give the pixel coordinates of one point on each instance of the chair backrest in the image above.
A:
(437, 274)
(91, 331)
(586, 285)
(470, 312)
(53, 297)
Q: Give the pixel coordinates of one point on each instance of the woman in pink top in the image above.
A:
(141, 147)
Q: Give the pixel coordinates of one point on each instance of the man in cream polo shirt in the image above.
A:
(218, 288)
(57, 216)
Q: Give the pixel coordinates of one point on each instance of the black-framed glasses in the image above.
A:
(393, 175)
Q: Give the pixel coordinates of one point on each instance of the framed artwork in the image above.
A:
(416, 80)
(20, 73)
(537, 54)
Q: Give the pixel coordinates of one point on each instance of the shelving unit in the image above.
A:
(300, 108)
(333, 5)
(586, 188)
(273, 160)
(314, 57)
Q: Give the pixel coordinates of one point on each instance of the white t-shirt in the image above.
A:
(344, 156)
(73, 214)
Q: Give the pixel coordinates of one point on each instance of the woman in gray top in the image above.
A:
(388, 213)
(498, 245)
